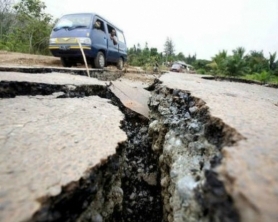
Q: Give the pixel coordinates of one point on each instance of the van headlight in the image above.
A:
(86, 41)
(52, 40)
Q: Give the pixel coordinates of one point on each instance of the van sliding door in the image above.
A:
(99, 35)
(113, 49)
(121, 43)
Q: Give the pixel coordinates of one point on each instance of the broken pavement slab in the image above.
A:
(99, 193)
(131, 93)
(133, 96)
(49, 78)
(249, 168)
(47, 143)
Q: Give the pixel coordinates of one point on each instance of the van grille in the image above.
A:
(66, 40)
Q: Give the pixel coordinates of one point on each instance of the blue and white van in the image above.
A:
(93, 33)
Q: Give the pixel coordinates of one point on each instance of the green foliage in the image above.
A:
(218, 63)
(201, 64)
(213, 68)
(153, 52)
(201, 71)
(180, 57)
(256, 61)
(29, 30)
(6, 18)
(253, 65)
(239, 52)
(275, 72)
(169, 48)
(236, 64)
(146, 51)
(33, 28)
(190, 59)
(263, 77)
(273, 64)
(239, 64)
(144, 58)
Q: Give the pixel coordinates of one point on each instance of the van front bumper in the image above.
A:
(69, 50)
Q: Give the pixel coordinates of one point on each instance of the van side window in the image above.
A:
(99, 25)
(120, 36)
(110, 28)
(113, 34)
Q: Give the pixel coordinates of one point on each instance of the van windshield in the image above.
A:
(73, 21)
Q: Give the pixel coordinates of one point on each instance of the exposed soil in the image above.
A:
(22, 59)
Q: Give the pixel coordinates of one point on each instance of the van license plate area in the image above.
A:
(64, 47)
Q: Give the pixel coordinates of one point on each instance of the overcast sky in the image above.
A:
(203, 27)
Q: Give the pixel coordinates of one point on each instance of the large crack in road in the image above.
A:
(189, 142)
(163, 172)
(124, 187)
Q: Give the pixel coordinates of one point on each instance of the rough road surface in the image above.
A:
(47, 141)
(51, 142)
(249, 169)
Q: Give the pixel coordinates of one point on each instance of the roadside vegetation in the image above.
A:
(25, 27)
(149, 57)
(252, 66)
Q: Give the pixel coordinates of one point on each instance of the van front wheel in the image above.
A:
(100, 60)
(120, 63)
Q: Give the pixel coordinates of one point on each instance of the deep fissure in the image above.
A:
(143, 180)
(123, 188)
(188, 141)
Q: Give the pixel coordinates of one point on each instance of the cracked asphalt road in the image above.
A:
(33, 155)
(46, 143)
(249, 169)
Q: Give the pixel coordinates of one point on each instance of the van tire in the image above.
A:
(120, 63)
(99, 60)
(66, 62)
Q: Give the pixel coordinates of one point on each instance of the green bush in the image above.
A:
(263, 77)
(201, 71)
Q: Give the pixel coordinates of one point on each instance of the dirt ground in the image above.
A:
(22, 59)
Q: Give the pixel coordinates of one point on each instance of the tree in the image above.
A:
(217, 64)
(272, 64)
(32, 31)
(134, 48)
(256, 61)
(180, 56)
(131, 53)
(146, 52)
(138, 49)
(201, 64)
(154, 52)
(236, 64)
(169, 48)
(239, 52)
(6, 18)
(190, 59)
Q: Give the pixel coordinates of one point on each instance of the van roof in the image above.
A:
(94, 14)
